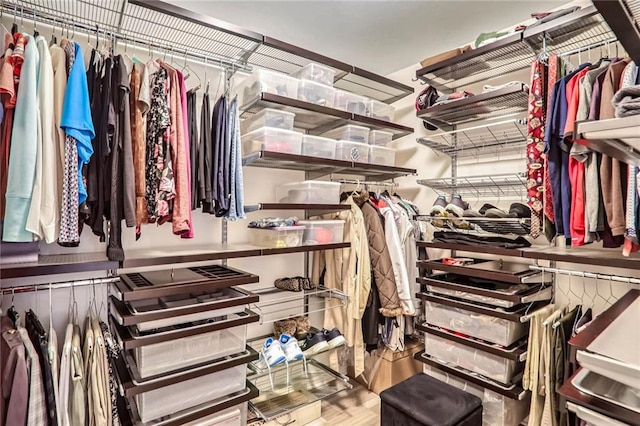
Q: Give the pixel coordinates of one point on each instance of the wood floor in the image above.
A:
(353, 407)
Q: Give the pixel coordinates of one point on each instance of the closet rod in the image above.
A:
(95, 30)
(587, 48)
(59, 285)
(365, 183)
(628, 280)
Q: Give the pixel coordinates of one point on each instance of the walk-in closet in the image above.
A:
(393, 213)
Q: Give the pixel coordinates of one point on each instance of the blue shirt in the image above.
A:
(76, 116)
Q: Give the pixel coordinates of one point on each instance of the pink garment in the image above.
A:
(182, 202)
(185, 122)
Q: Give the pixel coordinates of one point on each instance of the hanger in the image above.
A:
(544, 55)
(14, 26)
(35, 28)
(54, 39)
(187, 75)
(12, 312)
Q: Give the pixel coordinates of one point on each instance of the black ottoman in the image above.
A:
(424, 401)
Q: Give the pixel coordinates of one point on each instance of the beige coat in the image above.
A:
(348, 270)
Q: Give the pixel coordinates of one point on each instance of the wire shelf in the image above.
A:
(178, 31)
(281, 308)
(515, 52)
(491, 139)
(503, 102)
(502, 226)
(490, 186)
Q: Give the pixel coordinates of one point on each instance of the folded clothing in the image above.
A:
(273, 222)
(455, 96)
(477, 240)
(627, 101)
(544, 17)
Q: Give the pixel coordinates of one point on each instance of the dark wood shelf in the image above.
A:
(51, 264)
(624, 22)
(318, 167)
(571, 393)
(515, 52)
(513, 392)
(615, 137)
(497, 103)
(318, 119)
(577, 255)
(306, 207)
(516, 352)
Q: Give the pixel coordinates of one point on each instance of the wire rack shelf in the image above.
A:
(490, 186)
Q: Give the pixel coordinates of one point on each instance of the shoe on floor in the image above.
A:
(334, 337)
(272, 353)
(456, 206)
(290, 347)
(315, 343)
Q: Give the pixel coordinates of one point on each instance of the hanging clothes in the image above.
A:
(64, 381)
(78, 398)
(23, 149)
(205, 156)
(219, 139)
(14, 392)
(138, 109)
(535, 145)
(193, 146)
(37, 407)
(549, 218)
(8, 92)
(59, 88)
(236, 179)
(112, 352)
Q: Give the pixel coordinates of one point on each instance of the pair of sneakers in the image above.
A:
(275, 352)
(322, 340)
(451, 210)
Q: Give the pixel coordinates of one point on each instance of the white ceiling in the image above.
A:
(379, 36)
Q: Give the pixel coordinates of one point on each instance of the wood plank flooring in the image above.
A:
(352, 407)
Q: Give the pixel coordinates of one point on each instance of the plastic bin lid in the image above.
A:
(277, 111)
(313, 182)
(349, 126)
(314, 83)
(267, 129)
(281, 228)
(321, 222)
(318, 138)
(347, 142)
(380, 132)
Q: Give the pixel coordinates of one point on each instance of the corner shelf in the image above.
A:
(616, 137)
(491, 139)
(515, 52)
(50, 264)
(497, 186)
(317, 119)
(318, 167)
(497, 103)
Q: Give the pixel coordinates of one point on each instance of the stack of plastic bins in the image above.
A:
(180, 331)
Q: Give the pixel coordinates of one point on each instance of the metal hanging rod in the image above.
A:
(59, 285)
(101, 32)
(365, 183)
(628, 280)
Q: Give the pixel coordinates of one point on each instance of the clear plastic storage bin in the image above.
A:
(349, 132)
(497, 410)
(480, 326)
(318, 146)
(309, 192)
(266, 81)
(270, 139)
(269, 117)
(380, 110)
(380, 138)
(316, 93)
(488, 365)
(189, 393)
(382, 155)
(316, 72)
(232, 416)
(322, 231)
(172, 355)
(351, 102)
(352, 151)
(283, 236)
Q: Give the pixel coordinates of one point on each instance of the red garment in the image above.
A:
(535, 146)
(552, 76)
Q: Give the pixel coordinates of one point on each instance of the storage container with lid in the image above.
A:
(179, 396)
(380, 138)
(352, 151)
(497, 410)
(280, 237)
(382, 155)
(269, 117)
(351, 102)
(481, 326)
(266, 81)
(232, 416)
(488, 365)
(309, 192)
(316, 93)
(380, 110)
(322, 231)
(163, 357)
(271, 139)
(318, 146)
(316, 72)
(350, 132)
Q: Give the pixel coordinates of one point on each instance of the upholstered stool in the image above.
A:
(424, 401)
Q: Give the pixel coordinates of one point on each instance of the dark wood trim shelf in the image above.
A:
(317, 119)
(318, 167)
(582, 255)
(623, 23)
(50, 264)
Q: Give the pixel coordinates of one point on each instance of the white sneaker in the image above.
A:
(291, 348)
(272, 353)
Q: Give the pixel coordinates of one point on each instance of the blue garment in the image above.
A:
(24, 147)
(76, 116)
(558, 155)
(236, 203)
